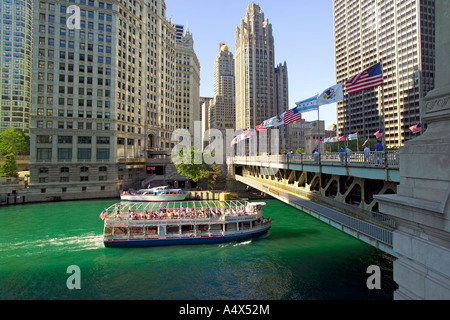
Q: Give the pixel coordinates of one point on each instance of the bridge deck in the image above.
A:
(371, 233)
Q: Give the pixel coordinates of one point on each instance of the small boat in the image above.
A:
(155, 194)
(182, 223)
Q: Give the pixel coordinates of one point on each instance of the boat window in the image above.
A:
(172, 229)
(151, 230)
(136, 231)
(120, 232)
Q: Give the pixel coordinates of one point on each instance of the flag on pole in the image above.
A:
(332, 94)
(369, 78)
(274, 121)
(334, 139)
(343, 138)
(365, 142)
(379, 133)
(307, 105)
(292, 115)
(416, 129)
(260, 127)
(249, 133)
(353, 136)
(327, 140)
(103, 215)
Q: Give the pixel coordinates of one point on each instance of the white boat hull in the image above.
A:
(156, 198)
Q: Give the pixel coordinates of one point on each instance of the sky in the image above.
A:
(303, 35)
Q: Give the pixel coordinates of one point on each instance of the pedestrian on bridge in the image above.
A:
(366, 154)
(342, 154)
(380, 155)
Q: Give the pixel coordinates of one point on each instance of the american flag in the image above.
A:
(292, 116)
(416, 129)
(379, 133)
(369, 78)
(249, 133)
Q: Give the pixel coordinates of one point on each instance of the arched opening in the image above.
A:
(354, 196)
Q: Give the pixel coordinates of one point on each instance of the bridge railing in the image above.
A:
(371, 159)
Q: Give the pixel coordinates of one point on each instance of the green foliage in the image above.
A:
(186, 165)
(9, 166)
(13, 141)
(213, 176)
(299, 151)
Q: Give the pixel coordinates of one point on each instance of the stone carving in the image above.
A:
(437, 104)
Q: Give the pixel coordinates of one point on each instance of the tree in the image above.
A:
(186, 167)
(9, 166)
(213, 177)
(13, 141)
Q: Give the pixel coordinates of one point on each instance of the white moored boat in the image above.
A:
(155, 194)
(182, 223)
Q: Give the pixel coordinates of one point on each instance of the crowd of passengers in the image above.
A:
(175, 213)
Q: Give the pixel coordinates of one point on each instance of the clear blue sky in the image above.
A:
(303, 34)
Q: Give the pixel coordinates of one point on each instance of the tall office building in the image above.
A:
(401, 35)
(16, 27)
(254, 70)
(103, 94)
(282, 101)
(222, 109)
(187, 103)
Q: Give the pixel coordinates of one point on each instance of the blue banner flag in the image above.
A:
(310, 104)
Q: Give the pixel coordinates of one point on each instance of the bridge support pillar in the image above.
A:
(421, 207)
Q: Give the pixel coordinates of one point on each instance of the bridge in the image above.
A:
(337, 188)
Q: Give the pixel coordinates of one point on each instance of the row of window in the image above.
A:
(69, 139)
(43, 154)
(67, 170)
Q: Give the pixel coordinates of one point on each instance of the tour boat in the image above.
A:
(155, 194)
(182, 223)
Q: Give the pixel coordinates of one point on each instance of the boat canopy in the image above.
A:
(126, 206)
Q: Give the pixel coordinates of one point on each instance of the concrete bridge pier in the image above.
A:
(421, 207)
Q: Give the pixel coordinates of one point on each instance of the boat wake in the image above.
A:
(243, 243)
(82, 242)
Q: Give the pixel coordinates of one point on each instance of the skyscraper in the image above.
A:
(16, 27)
(103, 94)
(222, 109)
(187, 102)
(254, 69)
(401, 35)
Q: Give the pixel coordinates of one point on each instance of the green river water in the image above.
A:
(301, 258)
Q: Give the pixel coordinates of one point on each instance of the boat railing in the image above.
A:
(125, 220)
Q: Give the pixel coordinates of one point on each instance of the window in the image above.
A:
(43, 170)
(64, 139)
(84, 140)
(84, 154)
(43, 153)
(84, 169)
(102, 154)
(64, 153)
(43, 139)
(64, 170)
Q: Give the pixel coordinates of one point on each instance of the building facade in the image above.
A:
(223, 107)
(282, 101)
(187, 83)
(104, 95)
(16, 27)
(401, 35)
(254, 70)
